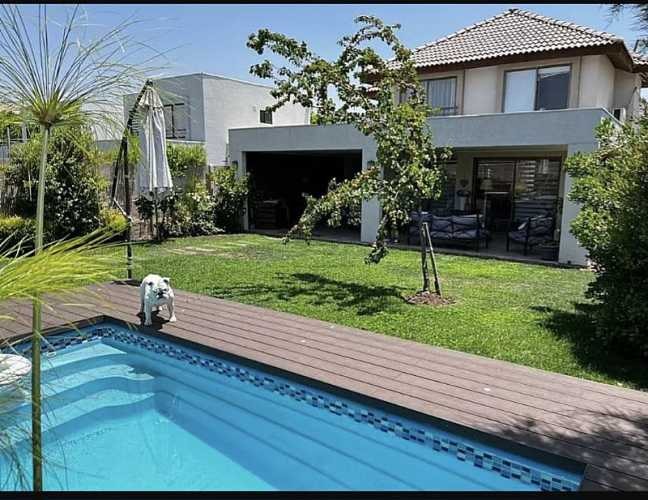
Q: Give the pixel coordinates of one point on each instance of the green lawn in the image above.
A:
(532, 315)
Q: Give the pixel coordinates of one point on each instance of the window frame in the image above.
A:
(172, 107)
(264, 112)
(535, 92)
(456, 85)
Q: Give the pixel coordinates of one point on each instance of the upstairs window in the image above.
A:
(265, 116)
(175, 121)
(441, 95)
(536, 89)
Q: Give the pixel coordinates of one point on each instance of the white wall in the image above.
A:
(231, 103)
(596, 82)
(627, 92)
(480, 94)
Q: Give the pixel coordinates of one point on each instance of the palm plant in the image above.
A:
(56, 75)
(59, 268)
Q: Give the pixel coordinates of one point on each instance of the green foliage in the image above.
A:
(405, 151)
(186, 213)
(73, 182)
(113, 220)
(611, 183)
(185, 158)
(16, 231)
(229, 195)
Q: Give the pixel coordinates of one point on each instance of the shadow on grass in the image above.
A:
(578, 328)
(319, 290)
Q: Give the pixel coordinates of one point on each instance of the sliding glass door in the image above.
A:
(513, 189)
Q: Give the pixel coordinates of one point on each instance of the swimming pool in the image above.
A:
(126, 410)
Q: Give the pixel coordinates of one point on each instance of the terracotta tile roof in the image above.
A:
(511, 33)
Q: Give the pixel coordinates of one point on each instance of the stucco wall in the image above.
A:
(231, 104)
(597, 82)
(480, 92)
(627, 92)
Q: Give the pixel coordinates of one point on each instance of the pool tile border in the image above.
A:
(461, 451)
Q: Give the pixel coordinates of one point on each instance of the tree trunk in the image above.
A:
(424, 268)
(37, 451)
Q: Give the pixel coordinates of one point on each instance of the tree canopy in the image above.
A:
(407, 166)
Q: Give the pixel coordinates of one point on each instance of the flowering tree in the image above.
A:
(407, 168)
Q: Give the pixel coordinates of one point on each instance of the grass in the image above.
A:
(526, 314)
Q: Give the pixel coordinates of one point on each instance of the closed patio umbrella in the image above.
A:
(153, 180)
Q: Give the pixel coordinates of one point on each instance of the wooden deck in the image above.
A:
(600, 425)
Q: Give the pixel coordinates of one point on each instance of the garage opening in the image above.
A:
(280, 180)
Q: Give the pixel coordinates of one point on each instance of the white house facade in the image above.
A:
(515, 95)
(201, 108)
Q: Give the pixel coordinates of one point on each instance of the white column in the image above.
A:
(371, 213)
(570, 251)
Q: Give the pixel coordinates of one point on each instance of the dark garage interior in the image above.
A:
(278, 181)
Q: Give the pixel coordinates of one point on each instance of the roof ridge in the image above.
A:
(567, 24)
(529, 14)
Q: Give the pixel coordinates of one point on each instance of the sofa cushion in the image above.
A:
(465, 222)
(441, 224)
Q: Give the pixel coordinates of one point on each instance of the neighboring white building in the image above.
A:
(201, 108)
(518, 93)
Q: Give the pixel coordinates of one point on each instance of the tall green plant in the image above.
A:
(59, 267)
(366, 86)
(54, 75)
(611, 183)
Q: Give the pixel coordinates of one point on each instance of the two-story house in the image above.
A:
(516, 94)
(200, 108)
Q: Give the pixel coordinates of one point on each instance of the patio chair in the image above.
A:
(532, 232)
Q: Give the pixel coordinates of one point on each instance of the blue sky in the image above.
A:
(211, 38)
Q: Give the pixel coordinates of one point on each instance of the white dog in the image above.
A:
(154, 293)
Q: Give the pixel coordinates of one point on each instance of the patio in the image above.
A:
(602, 426)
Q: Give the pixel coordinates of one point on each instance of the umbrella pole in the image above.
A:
(157, 225)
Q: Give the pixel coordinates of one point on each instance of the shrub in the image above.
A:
(185, 158)
(188, 213)
(73, 182)
(611, 183)
(15, 230)
(113, 220)
(229, 193)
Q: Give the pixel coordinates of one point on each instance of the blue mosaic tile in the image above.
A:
(386, 423)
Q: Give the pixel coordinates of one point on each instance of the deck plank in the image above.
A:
(603, 426)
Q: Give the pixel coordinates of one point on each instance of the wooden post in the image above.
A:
(437, 283)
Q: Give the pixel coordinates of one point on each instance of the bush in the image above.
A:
(185, 158)
(113, 219)
(190, 213)
(73, 182)
(15, 230)
(229, 193)
(611, 183)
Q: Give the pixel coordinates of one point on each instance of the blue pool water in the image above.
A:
(128, 411)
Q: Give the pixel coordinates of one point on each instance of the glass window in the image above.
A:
(553, 87)
(519, 90)
(265, 116)
(175, 121)
(536, 89)
(440, 95)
